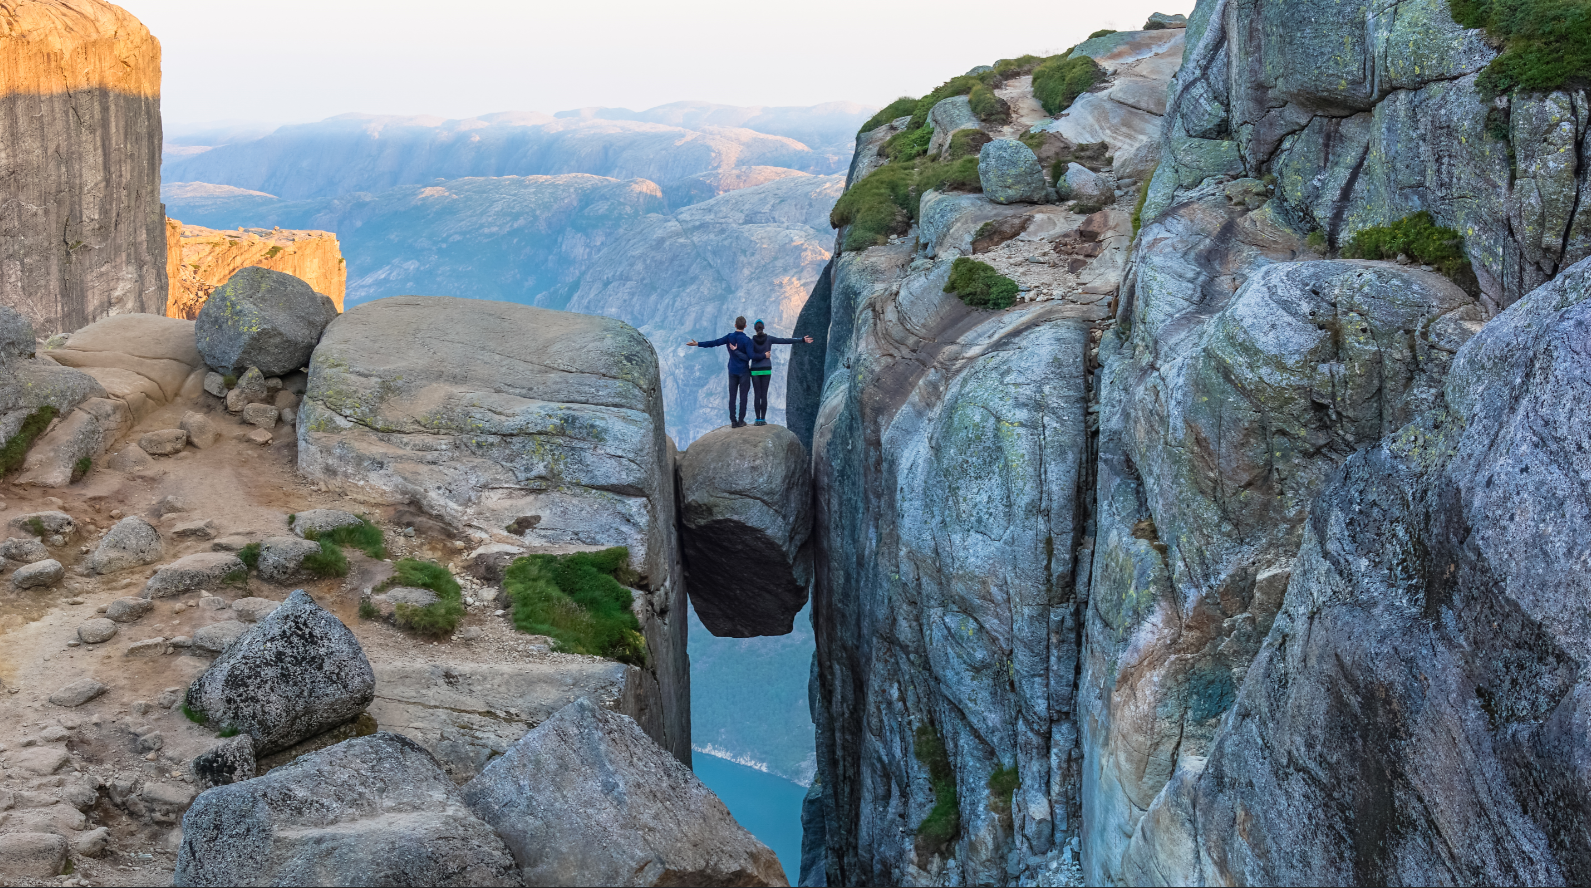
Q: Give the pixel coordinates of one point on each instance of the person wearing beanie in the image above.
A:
(761, 366)
(739, 345)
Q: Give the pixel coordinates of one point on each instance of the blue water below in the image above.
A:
(768, 806)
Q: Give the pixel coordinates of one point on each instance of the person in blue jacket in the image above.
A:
(762, 366)
(739, 345)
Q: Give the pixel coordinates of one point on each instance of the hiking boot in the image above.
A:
(735, 423)
(761, 422)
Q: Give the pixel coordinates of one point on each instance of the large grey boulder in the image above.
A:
(131, 542)
(25, 550)
(262, 318)
(16, 336)
(1010, 173)
(294, 674)
(586, 798)
(282, 558)
(746, 515)
(318, 521)
(374, 810)
(203, 570)
(38, 575)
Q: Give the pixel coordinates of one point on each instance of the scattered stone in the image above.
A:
(1089, 187)
(41, 761)
(586, 798)
(318, 521)
(260, 437)
(469, 633)
(55, 541)
(194, 572)
(249, 390)
(77, 693)
(387, 602)
(232, 543)
(263, 415)
(28, 855)
(132, 542)
(394, 818)
(149, 647)
(92, 844)
(215, 384)
(201, 431)
(297, 673)
(230, 761)
(1010, 173)
(217, 637)
(169, 505)
(131, 460)
(38, 575)
(52, 523)
(290, 417)
(203, 529)
(253, 610)
(262, 318)
(97, 631)
(151, 742)
(282, 558)
(169, 698)
(128, 610)
(23, 549)
(212, 602)
(53, 734)
(164, 442)
(161, 803)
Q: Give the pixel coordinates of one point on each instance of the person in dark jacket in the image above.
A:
(739, 345)
(761, 365)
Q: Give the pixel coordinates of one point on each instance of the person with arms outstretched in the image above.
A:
(739, 345)
(761, 365)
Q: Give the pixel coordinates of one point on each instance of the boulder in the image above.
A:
(97, 631)
(201, 431)
(27, 855)
(262, 318)
(746, 516)
(1089, 187)
(253, 610)
(1160, 20)
(295, 674)
(128, 610)
(164, 442)
(217, 637)
(77, 693)
(948, 117)
(158, 646)
(45, 524)
(204, 570)
(282, 558)
(16, 336)
(387, 602)
(131, 460)
(263, 415)
(318, 521)
(230, 761)
(215, 384)
(586, 798)
(374, 810)
(1010, 173)
(250, 389)
(38, 575)
(24, 549)
(131, 542)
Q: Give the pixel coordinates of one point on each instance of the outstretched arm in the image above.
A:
(780, 340)
(722, 340)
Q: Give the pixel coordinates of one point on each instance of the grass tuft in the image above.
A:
(1002, 785)
(368, 610)
(901, 107)
(328, 562)
(194, 714)
(876, 207)
(1102, 32)
(939, 827)
(364, 536)
(580, 601)
(16, 447)
(1060, 80)
(979, 285)
(987, 106)
(1419, 238)
(35, 527)
(229, 731)
(955, 175)
(250, 556)
(437, 619)
(1546, 44)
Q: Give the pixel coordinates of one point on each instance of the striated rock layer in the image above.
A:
(82, 232)
(199, 260)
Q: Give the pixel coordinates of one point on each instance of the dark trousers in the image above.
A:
(759, 384)
(742, 385)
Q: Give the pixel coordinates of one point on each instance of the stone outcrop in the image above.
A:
(1126, 113)
(745, 518)
(83, 233)
(201, 259)
(483, 413)
(586, 798)
(262, 320)
(374, 810)
(132, 542)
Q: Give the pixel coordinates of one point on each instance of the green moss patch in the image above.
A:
(979, 285)
(1545, 44)
(579, 601)
(1002, 785)
(1060, 80)
(328, 562)
(16, 447)
(364, 536)
(876, 207)
(434, 620)
(1422, 240)
(939, 828)
(250, 556)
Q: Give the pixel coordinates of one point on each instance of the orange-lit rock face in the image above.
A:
(82, 235)
(201, 259)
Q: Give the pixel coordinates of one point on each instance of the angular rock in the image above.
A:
(262, 318)
(26, 855)
(77, 693)
(92, 844)
(97, 631)
(263, 415)
(128, 610)
(250, 389)
(52, 523)
(282, 558)
(260, 437)
(285, 401)
(202, 529)
(1089, 187)
(38, 575)
(41, 761)
(488, 563)
(644, 818)
(131, 542)
(205, 570)
(295, 674)
(164, 442)
(201, 431)
(23, 549)
(131, 460)
(1162, 20)
(746, 515)
(1010, 173)
(230, 761)
(318, 521)
(159, 646)
(374, 810)
(217, 637)
(169, 505)
(215, 384)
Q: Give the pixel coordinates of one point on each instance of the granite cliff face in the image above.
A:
(82, 233)
(200, 259)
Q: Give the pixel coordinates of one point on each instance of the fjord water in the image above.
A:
(768, 806)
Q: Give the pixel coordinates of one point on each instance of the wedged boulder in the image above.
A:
(746, 516)
(586, 798)
(262, 318)
(282, 558)
(250, 389)
(374, 810)
(1088, 186)
(204, 570)
(132, 542)
(296, 673)
(1010, 173)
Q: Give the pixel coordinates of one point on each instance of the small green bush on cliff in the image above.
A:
(876, 207)
(937, 830)
(1102, 32)
(434, 620)
(987, 106)
(899, 108)
(580, 601)
(1546, 44)
(16, 447)
(1419, 238)
(1060, 80)
(979, 285)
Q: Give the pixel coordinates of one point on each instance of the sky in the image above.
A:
(293, 61)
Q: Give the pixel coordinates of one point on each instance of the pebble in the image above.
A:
(116, 514)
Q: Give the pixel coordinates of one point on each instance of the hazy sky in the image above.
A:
(300, 60)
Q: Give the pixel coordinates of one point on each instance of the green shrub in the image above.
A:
(250, 556)
(955, 175)
(16, 447)
(966, 143)
(899, 108)
(273, 252)
(939, 827)
(579, 601)
(1102, 32)
(1419, 238)
(238, 577)
(328, 562)
(876, 207)
(1546, 44)
(908, 144)
(1316, 240)
(1017, 67)
(987, 106)
(229, 731)
(979, 285)
(80, 469)
(438, 618)
(1002, 785)
(364, 536)
(368, 611)
(1060, 80)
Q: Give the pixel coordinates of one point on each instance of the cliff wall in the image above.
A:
(82, 231)
(200, 259)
